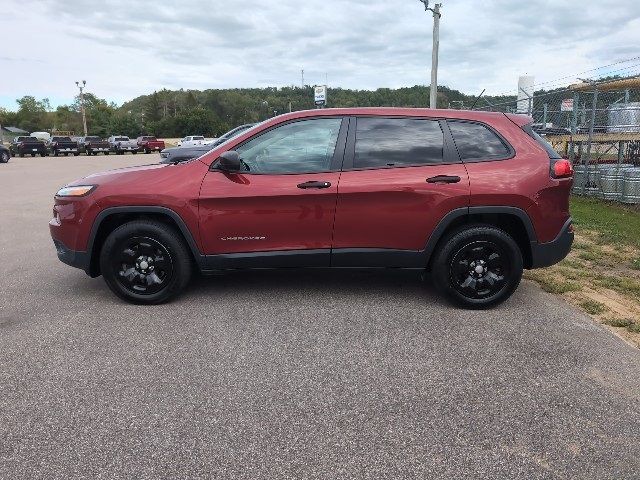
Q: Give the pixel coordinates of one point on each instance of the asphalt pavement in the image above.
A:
(297, 374)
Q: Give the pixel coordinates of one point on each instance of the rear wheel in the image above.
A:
(4, 157)
(145, 262)
(478, 267)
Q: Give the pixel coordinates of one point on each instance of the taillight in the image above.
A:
(561, 168)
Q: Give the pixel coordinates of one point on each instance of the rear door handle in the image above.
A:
(443, 179)
(313, 184)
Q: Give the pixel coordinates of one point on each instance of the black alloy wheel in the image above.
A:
(478, 266)
(478, 269)
(143, 265)
(145, 262)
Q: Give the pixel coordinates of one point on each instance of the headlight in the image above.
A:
(75, 191)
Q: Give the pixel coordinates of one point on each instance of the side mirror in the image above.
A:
(229, 161)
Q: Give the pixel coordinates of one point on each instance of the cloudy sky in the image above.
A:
(127, 48)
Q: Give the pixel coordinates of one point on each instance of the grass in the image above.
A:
(613, 222)
(551, 284)
(592, 307)
(603, 264)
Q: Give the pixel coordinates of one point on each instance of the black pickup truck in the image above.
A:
(22, 146)
(92, 145)
(63, 146)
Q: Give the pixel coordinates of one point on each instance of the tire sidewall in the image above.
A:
(161, 233)
(442, 265)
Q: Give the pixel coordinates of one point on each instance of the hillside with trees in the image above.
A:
(176, 113)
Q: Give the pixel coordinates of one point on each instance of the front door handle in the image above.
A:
(313, 184)
(443, 179)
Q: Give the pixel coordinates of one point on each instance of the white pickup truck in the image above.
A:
(121, 144)
(194, 140)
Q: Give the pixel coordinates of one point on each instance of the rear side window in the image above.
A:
(475, 141)
(389, 142)
(541, 141)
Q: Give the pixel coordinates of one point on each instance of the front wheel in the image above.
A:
(478, 267)
(145, 262)
(4, 157)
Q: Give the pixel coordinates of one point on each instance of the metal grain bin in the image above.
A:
(631, 186)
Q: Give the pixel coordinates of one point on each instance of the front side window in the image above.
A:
(475, 141)
(389, 142)
(299, 147)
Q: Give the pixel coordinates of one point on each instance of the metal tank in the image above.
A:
(631, 187)
(612, 181)
(624, 117)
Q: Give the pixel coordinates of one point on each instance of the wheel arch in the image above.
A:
(113, 217)
(512, 220)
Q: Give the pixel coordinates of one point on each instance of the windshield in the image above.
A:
(60, 139)
(92, 139)
(121, 139)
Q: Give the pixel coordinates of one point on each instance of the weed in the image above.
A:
(592, 307)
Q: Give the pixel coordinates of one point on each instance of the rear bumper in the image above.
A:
(72, 257)
(550, 253)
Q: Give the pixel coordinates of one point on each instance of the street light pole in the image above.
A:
(433, 90)
(84, 116)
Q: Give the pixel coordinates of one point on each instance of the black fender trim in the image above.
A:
(107, 212)
(453, 215)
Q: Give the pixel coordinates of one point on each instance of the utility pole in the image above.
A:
(302, 74)
(84, 116)
(433, 90)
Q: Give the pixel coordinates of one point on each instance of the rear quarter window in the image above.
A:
(540, 140)
(476, 141)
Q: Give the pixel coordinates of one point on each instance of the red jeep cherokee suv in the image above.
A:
(472, 197)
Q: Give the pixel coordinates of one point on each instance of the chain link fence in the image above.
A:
(596, 125)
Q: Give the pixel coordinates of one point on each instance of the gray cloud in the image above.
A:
(129, 48)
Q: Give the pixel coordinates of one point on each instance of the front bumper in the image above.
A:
(72, 257)
(550, 253)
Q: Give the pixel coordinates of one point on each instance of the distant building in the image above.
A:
(8, 133)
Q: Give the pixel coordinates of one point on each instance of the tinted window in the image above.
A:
(387, 142)
(305, 146)
(475, 141)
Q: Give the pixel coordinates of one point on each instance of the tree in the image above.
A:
(32, 113)
(124, 124)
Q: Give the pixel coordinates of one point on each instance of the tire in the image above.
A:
(33, 154)
(105, 153)
(4, 157)
(21, 155)
(153, 242)
(134, 151)
(146, 150)
(479, 266)
(76, 154)
(118, 152)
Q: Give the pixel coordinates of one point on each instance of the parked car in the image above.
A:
(63, 145)
(24, 145)
(149, 144)
(470, 197)
(182, 154)
(121, 144)
(192, 141)
(92, 145)
(5, 154)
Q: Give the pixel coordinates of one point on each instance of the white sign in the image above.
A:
(320, 94)
(567, 105)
